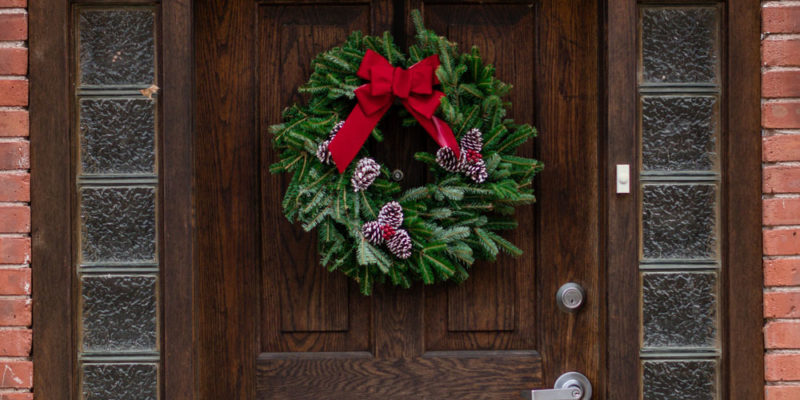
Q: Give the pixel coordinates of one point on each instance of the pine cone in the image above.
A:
(335, 129)
(472, 140)
(391, 214)
(372, 232)
(323, 154)
(366, 172)
(447, 159)
(477, 171)
(400, 244)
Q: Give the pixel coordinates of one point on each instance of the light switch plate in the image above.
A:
(623, 178)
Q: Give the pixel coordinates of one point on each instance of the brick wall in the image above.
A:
(16, 368)
(780, 119)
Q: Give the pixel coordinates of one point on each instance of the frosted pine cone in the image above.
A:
(477, 171)
(366, 172)
(447, 159)
(372, 232)
(323, 154)
(400, 244)
(391, 214)
(472, 140)
(335, 129)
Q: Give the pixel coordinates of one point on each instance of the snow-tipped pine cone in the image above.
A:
(366, 172)
(391, 214)
(372, 232)
(323, 154)
(472, 140)
(447, 159)
(477, 171)
(400, 244)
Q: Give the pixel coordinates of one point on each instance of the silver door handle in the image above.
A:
(569, 386)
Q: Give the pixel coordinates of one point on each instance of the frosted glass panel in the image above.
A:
(679, 45)
(675, 380)
(119, 381)
(118, 224)
(118, 313)
(679, 310)
(679, 133)
(117, 136)
(679, 221)
(117, 47)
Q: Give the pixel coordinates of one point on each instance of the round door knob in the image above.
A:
(570, 297)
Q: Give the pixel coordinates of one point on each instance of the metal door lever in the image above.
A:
(569, 386)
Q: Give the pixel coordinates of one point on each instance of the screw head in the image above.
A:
(397, 175)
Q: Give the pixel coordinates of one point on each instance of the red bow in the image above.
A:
(413, 86)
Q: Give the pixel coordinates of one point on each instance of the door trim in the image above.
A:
(742, 370)
(53, 281)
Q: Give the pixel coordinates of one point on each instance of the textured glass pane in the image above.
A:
(119, 313)
(117, 136)
(118, 224)
(679, 310)
(678, 133)
(120, 382)
(680, 380)
(117, 47)
(679, 221)
(679, 45)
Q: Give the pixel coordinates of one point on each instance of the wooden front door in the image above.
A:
(271, 323)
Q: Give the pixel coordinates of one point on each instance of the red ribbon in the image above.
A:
(413, 86)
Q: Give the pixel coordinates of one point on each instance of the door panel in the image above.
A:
(304, 307)
(495, 308)
(292, 330)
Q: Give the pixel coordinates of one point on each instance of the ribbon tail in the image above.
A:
(349, 139)
(438, 129)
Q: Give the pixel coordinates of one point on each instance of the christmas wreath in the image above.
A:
(369, 227)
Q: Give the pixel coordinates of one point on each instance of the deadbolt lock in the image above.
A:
(570, 297)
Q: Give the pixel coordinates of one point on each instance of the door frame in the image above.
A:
(742, 368)
(54, 308)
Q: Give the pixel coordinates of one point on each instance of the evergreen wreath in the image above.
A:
(368, 226)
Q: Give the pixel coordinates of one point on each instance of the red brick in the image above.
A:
(779, 393)
(15, 342)
(781, 211)
(781, 179)
(15, 187)
(15, 250)
(16, 396)
(783, 304)
(14, 4)
(14, 123)
(782, 114)
(782, 367)
(16, 374)
(780, 52)
(14, 155)
(781, 242)
(782, 335)
(781, 148)
(15, 219)
(15, 312)
(13, 26)
(13, 61)
(780, 84)
(781, 19)
(15, 281)
(782, 272)
(13, 92)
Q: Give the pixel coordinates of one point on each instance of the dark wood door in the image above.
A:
(271, 323)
